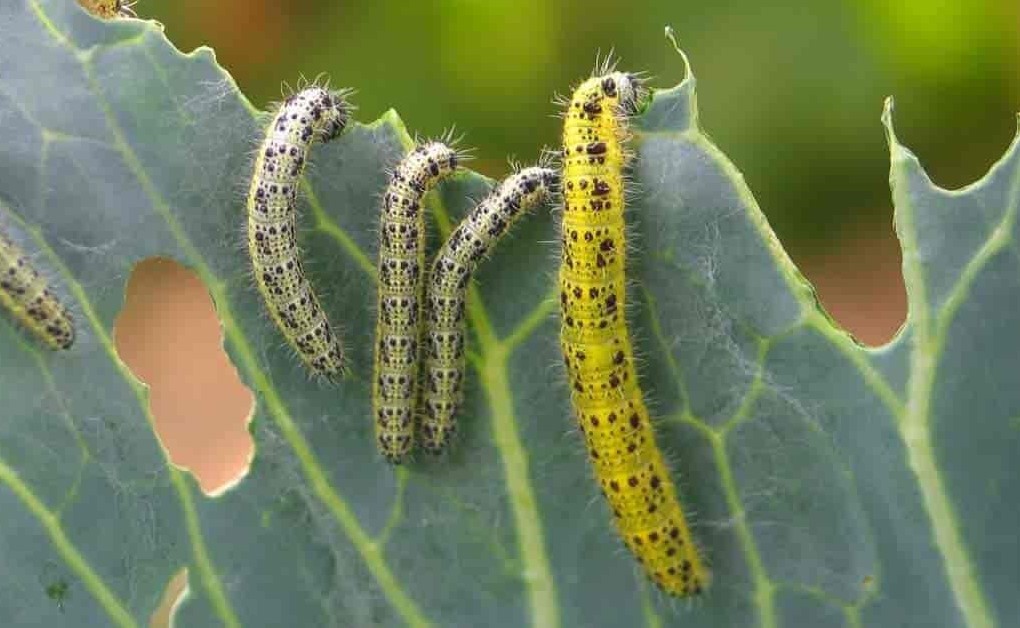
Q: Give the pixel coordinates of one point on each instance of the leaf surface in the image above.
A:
(831, 484)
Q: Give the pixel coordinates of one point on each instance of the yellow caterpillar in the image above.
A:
(311, 115)
(596, 345)
(401, 287)
(26, 295)
(451, 272)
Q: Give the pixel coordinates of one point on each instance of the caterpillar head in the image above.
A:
(537, 181)
(336, 113)
(551, 178)
(626, 88)
(439, 156)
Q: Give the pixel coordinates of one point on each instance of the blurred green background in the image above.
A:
(790, 91)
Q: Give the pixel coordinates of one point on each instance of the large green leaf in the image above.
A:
(832, 484)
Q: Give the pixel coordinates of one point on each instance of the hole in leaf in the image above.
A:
(175, 592)
(169, 336)
(860, 282)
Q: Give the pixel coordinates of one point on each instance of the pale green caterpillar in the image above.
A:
(456, 261)
(27, 296)
(311, 115)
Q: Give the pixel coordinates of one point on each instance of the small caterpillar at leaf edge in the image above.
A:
(27, 296)
(446, 294)
(311, 115)
(595, 341)
(109, 9)
(401, 287)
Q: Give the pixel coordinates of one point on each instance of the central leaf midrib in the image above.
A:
(915, 428)
(492, 366)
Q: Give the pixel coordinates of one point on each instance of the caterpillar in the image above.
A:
(26, 295)
(311, 115)
(451, 271)
(595, 341)
(108, 9)
(401, 284)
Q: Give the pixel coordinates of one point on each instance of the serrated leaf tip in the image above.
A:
(671, 36)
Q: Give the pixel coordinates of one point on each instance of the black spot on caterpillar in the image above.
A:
(311, 115)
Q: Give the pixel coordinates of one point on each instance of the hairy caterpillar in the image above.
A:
(108, 9)
(451, 271)
(310, 115)
(596, 343)
(401, 284)
(25, 294)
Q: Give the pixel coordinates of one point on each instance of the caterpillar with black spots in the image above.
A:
(311, 115)
(450, 275)
(401, 287)
(595, 341)
(27, 296)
